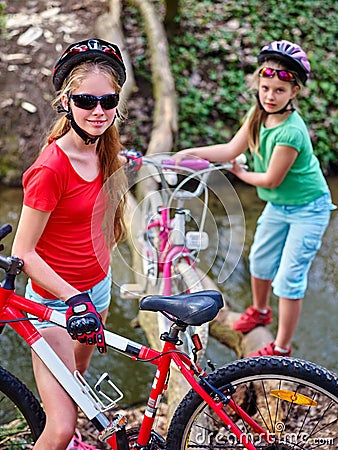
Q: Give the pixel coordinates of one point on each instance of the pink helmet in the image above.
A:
(288, 53)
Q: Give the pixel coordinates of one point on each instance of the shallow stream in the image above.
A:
(316, 337)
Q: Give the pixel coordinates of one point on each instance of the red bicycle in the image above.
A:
(259, 403)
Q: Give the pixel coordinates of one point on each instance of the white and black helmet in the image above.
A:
(291, 54)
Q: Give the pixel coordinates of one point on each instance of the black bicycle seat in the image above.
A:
(192, 309)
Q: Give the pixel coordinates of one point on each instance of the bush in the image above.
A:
(216, 50)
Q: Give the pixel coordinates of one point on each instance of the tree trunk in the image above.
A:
(172, 7)
(164, 133)
(109, 28)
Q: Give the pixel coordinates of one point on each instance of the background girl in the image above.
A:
(288, 177)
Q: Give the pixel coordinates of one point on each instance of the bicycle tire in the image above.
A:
(22, 418)
(296, 426)
(184, 280)
(150, 242)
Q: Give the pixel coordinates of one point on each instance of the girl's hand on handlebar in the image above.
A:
(179, 156)
(84, 323)
(237, 166)
(134, 159)
(241, 159)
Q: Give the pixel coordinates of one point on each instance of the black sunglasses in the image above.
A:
(88, 102)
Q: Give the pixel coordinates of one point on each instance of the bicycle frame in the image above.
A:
(167, 251)
(12, 311)
(161, 259)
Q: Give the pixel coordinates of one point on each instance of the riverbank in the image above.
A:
(36, 33)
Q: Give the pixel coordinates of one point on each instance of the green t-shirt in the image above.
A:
(304, 182)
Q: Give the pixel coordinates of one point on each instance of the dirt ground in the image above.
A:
(37, 31)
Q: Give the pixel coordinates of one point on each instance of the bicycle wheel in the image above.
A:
(21, 416)
(185, 279)
(150, 238)
(295, 400)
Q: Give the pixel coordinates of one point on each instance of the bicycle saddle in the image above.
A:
(192, 309)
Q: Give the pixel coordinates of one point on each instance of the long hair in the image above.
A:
(108, 148)
(258, 116)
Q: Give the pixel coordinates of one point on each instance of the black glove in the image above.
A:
(84, 323)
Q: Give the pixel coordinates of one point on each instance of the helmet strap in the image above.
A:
(79, 131)
(281, 111)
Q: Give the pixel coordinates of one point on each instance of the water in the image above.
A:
(316, 336)
(315, 339)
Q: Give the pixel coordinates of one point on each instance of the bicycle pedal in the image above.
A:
(131, 291)
(117, 426)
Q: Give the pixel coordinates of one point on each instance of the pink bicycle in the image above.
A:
(171, 237)
(265, 403)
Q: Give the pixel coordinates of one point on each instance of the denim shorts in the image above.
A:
(99, 294)
(286, 241)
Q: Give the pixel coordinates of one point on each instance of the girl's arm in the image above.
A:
(281, 161)
(31, 225)
(219, 152)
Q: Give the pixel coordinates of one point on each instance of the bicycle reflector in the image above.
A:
(196, 240)
(293, 397)
(197, 342)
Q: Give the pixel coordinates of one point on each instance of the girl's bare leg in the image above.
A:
(289, 313)
(61, 412)
(261, 290)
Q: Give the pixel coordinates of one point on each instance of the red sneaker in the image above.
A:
(251, 319)
(269, 350)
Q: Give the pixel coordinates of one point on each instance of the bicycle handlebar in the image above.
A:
(199, 169)
(4, 230)
(194, 164)
(5, 262)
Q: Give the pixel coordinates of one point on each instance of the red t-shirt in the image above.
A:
(72, 242)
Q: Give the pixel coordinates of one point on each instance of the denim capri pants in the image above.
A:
(99, 294)
(286, 241)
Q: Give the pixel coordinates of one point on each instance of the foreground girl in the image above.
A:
(67, 226)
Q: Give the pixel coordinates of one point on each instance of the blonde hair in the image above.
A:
(108, 148)
(257, 116)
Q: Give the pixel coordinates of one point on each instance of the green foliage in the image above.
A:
(2, 16)
(215, 53)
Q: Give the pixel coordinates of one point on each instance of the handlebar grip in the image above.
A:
(4, 230)
(194, 164)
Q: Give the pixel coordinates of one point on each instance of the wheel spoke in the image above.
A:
(296, 405)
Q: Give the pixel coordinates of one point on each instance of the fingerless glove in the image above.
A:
(84, 323)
